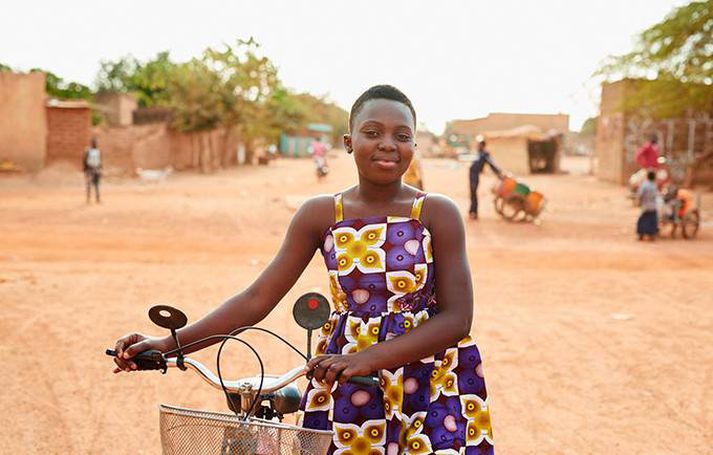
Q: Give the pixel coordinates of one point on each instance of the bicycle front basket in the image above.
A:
(188, 431)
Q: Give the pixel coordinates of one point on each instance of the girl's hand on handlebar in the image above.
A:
(332, 367)
(129, 345)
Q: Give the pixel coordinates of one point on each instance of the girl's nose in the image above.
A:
(387, 144)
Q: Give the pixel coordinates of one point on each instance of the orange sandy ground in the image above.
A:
(593, 342)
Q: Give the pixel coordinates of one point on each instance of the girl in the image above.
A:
(384, 244)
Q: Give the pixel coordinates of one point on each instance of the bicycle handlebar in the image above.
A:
(155, 360)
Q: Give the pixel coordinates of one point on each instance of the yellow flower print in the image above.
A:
(373, 236)
(372, 260)
(479, 427)
(403, 282)
(339, 298)
(343, 238)
(325, 334)
(392, 384)
(319, 398)
(411, 438)
(360, 249)
(366, 439)
(443, 379)
(427, 248)
(420, 274)
(360, 335)
(345, 263)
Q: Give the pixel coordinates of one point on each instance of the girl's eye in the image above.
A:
(371, 134)
(403, 137)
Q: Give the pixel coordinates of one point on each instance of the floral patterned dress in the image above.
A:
(381, 272)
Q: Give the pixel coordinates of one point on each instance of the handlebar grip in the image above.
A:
(369, 381)
(147, 360)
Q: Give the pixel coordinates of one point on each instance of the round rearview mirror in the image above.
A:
(167, 317)
(311, 311)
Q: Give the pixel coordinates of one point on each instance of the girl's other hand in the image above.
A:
(132, 344)
(335, 367)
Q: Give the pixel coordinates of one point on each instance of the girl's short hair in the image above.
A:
(383, 92)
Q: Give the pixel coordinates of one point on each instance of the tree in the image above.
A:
(232, 86)
(147, 81)
(322, 110)
(192, 92)
(673, 64)
(676, 58)
(589, 127)
(56, 87)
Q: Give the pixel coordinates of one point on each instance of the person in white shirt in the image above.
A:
(92, 165)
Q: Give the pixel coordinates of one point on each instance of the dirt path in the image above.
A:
(593, 342)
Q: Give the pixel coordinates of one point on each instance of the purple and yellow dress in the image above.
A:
(382, 281)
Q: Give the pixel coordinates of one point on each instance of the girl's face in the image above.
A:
(382, 140)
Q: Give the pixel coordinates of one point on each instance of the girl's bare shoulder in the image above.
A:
(317, 212)
(438, 210)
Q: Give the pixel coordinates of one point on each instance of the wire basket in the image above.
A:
(188, 431)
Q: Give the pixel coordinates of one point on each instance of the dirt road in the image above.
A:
(593, 342)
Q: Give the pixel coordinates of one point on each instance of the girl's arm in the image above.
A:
(254, 303)
(454, 291)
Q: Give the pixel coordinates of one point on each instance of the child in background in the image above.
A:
(648, 224)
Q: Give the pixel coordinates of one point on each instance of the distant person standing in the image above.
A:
(92, 170)
(648, 155)
(476, 169)
(648, 223)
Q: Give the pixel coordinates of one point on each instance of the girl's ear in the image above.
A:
(348, 142)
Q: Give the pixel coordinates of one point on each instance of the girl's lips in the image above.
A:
(386, 165)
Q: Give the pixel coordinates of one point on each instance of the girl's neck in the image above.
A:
(370, 192)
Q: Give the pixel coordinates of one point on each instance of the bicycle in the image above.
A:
(259, 403)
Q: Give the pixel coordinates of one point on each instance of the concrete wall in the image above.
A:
(69, 131)
(23, 124)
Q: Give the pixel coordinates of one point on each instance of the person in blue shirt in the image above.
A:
(476, 169)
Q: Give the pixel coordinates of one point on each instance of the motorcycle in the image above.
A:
(320, 164)
(663, 179)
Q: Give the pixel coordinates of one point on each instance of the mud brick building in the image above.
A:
(621, 132)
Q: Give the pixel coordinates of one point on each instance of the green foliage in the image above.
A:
(147, 81)
(321, 110)
(589, 127)
(56, 87)
(676, 58)
(4, 67)
(248, 89)
(232, 86)
(192, 91)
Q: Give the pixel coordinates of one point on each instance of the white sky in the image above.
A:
(454, 59)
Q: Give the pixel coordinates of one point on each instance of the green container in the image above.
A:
(522, 189)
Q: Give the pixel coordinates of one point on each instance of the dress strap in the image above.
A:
(418, 205)
(338, 208)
